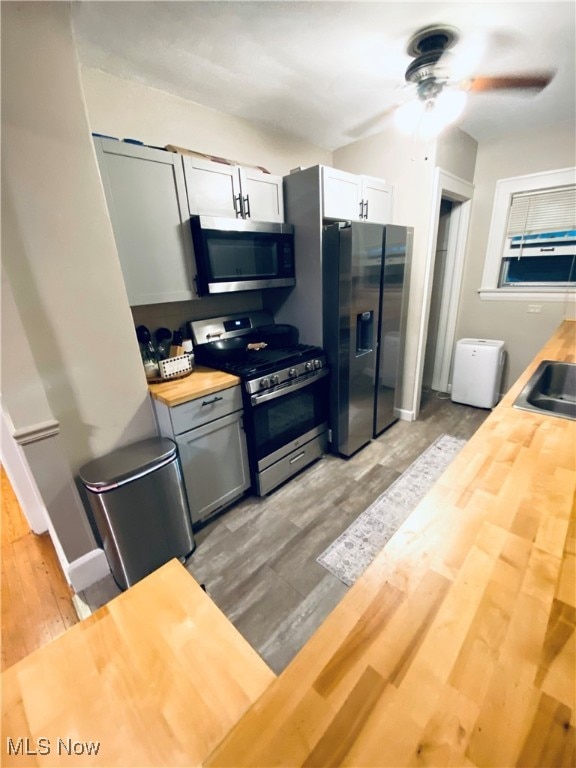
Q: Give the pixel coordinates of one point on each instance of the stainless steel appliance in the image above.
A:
(285, 391)
(241, 254)
(365, 268)
(136, 494)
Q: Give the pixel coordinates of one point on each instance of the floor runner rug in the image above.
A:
(353, 551)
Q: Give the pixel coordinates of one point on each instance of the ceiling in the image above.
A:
(326, 71)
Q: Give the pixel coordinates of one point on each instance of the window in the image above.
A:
(532, 242)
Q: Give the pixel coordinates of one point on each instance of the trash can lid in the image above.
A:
(124, 464)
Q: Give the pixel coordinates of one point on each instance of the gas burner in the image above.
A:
(256, 363)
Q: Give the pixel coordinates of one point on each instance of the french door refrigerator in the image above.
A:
(365, 273)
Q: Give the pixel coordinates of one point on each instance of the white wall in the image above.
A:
(456, 153)
(125, 109)
(58, 249)
(61, 262)
(524, 333)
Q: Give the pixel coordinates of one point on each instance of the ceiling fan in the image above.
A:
(439, 79)
(431, 69)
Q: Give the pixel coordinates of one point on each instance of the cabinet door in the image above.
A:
(262, 197)
(341, 195)
(215, 464)
(213, 188)
(146, 198)
(376, 200)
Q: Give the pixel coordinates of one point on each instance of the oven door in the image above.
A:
(281, 420)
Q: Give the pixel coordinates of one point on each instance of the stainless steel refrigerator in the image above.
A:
(365, 271)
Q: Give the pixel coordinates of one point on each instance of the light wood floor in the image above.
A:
(36, 599)
(258, 560)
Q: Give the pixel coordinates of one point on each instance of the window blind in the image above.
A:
(545, 210)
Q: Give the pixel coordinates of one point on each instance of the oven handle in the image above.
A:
(263, 397)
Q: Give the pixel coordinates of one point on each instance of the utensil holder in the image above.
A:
(175, 366)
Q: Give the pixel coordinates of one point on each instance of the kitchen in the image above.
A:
(71, 356)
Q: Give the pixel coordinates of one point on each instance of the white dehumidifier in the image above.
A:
(477, 376)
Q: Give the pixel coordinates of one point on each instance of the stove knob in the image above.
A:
(264, 383)
(292, 373)
(317, 364)
(309, 365)
(275, 379)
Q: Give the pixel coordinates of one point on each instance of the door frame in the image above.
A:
(450, 187)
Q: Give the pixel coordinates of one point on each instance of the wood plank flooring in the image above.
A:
(258, 560)
(36, 599)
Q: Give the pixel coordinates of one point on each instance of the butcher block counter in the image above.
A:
(155, 677)
(455, 648)
(201, 382)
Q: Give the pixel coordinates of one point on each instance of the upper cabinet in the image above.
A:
(231, 191)
(146, 196)
(349, 197)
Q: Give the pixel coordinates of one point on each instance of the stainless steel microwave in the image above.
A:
(242, 255)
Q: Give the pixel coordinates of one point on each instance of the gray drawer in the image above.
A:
(205, 409)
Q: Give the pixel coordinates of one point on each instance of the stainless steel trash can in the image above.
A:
(140, 508)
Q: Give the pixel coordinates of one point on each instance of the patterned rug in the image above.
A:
(354, 550)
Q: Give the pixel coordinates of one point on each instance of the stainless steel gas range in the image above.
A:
(284, 386)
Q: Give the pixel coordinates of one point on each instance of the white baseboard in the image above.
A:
(405, 415)
(88, 569)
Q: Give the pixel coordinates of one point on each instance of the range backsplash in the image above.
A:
(173, 315)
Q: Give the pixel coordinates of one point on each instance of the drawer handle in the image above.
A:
(297, 458)
(209, 402)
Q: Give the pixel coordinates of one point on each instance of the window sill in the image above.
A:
(521, 294)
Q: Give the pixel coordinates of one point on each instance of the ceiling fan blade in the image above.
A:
(460, 62)
(511, 82)
(369, 126)
(401, 95)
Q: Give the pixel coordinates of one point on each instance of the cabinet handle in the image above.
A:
(366, 209)
(247, 206)
(361, 209)
(210, 402)
(238, 206)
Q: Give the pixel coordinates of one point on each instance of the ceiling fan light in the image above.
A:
(445, 109)
(408, 116)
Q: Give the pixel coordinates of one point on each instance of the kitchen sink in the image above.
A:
(551, 389)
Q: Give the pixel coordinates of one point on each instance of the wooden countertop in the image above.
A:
(157, 677)
(456, 647)
(201, 382)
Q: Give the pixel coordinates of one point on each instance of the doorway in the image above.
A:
(438, 357)
(445, 265)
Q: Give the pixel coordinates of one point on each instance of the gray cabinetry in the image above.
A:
(217, 189)
(146, 196)
(212, 448)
